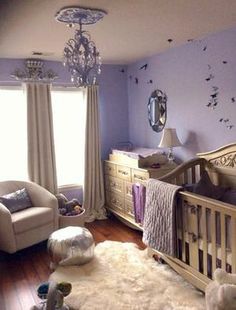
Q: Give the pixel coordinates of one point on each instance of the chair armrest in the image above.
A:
(7, 235)
(41, 197)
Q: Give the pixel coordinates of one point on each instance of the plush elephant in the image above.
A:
(221, 293)
(55, 293)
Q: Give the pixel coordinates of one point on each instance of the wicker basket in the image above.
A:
(74, 220)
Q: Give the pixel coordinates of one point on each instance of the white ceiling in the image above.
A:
(131, 30)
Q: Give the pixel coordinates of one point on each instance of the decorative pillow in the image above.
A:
(206, 188)
(229, 196)
(16, 201)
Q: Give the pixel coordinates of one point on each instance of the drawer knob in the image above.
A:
(123, 172)
(139, 177)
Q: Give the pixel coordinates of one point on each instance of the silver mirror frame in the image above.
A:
(157, 110)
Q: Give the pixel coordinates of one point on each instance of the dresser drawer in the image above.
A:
(139, 176)
(123, 173)
(110, 169)
(114, 184)
(107, 198)
(129, 209)
(128, 191)
(116, 202)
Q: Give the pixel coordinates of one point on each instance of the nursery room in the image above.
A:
(118, 159)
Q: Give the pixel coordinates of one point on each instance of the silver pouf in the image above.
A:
(70, 246)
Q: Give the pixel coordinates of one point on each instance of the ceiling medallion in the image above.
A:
(80, 53)
(34, 72)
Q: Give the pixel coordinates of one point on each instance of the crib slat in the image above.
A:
(233, 243)
(223, 243)
(178, 180)
(185, 177)
(213, 239)
(202, 168)
(193, 175)
(193, 233)
(204, 237)
(183, 232)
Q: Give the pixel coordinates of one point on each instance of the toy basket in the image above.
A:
(72, 220)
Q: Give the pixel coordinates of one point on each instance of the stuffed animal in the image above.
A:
(221, 293)
(54, 293)
(68, 208)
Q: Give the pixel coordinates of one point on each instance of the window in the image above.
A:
(69, 116)
(13, 134)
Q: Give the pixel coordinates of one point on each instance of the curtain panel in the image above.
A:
(41, 151)
(94, 197)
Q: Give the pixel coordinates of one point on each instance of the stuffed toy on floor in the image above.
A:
(53, 293)
(221, 293)
(68, 207)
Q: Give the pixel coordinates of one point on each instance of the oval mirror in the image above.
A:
(157, 110)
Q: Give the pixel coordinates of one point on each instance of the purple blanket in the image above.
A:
(139, 198)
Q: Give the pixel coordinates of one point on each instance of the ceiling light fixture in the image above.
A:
(34, 72)
(80, 54)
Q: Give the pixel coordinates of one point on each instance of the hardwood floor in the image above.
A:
(22, 272)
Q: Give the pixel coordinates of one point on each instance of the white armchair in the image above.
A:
(29, 226)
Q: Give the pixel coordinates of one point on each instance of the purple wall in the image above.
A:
(112, 95)
(181, 73)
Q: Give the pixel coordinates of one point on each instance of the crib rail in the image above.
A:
(206, 228)
(187, 173)
(206, 232)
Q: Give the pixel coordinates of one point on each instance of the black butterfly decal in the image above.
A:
(170, 40)
(210, 77)
(221, 120)
(143, 67)
(122, 70)
(225, 62)
(230, 126)
(233, 99)
(215, 104)
(205, 48)
(136, 80)
(213, 96)
(149, 82)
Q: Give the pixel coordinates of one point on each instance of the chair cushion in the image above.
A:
(17, 200)
(31, 218)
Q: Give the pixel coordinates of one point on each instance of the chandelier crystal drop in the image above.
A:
(80, 53)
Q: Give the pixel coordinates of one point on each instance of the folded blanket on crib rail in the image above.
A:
(159, 231)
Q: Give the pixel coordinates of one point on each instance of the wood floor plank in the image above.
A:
(22, 272)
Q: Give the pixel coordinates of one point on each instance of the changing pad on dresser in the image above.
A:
(138, 157)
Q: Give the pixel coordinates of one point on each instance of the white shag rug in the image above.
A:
(123, 277)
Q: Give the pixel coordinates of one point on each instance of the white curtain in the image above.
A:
(41, 153)
(94, 198)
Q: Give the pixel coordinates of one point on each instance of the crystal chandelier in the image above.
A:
(34, 72)
(80, 54)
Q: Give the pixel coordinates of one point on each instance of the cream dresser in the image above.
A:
(119, 177)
